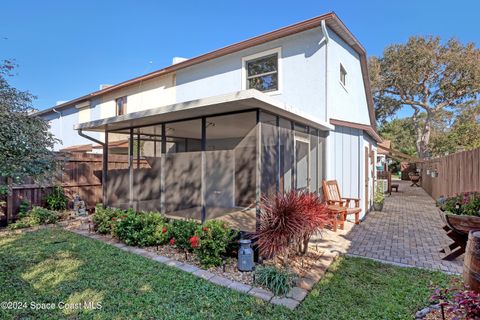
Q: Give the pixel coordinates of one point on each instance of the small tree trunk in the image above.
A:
(9, 200)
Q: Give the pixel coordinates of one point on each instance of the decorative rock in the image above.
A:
(306, 283)
(161, 259)
(297, 293)
(261, 293)
(188, 268)
(238, 286)
(221, 281)
(422, 313)
(286, 302)
(204, 274)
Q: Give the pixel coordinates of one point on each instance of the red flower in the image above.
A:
(113, 219)
(205, 229)
(195, 242)
(172, 241)
(164, 230)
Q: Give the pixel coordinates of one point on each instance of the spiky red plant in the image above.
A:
(287, 219)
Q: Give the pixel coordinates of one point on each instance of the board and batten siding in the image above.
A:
(345, 160)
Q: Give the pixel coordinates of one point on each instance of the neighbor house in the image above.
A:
(209, 136)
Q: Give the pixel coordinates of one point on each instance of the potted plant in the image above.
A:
(379, 198)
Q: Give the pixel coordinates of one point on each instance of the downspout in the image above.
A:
(83, 135)
(61, 123)
(326, 38)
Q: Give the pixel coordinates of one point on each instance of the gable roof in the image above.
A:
(331, 20)
(360, 126)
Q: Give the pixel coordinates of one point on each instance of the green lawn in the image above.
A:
(53, 266)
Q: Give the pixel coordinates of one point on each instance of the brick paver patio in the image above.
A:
(408, 232)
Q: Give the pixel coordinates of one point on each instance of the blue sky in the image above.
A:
(66, 49)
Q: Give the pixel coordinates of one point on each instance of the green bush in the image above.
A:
(104, 219)
(467, 203)
(56, 199)
(379, 196)
(24, 208)
(142, 229)
(35, 217)
(181, 232)
(214, 238)
(279, 281)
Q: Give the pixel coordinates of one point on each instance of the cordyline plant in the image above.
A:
(287, 221)
(459, 300)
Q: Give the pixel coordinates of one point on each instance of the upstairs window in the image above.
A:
(121, 106)
(262, 73)
(343, 76)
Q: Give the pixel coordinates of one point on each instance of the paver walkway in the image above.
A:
(408, 231)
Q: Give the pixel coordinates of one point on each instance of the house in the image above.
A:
(207, 137)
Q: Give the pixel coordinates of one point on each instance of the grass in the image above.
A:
(53, 266)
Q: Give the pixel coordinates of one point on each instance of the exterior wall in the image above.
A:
(348, 103)
(153, 93)
(301, 78)
(346, 163)
(62, 127)
(368, 143)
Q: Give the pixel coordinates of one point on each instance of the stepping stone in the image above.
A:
(286, 302)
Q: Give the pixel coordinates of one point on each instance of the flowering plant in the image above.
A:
(459, 300)
(195, 242)
(467, 203)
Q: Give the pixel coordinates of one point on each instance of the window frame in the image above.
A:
(125, 105)
(262, 54)
(344, 73)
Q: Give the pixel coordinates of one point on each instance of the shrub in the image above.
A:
(104, 219)
(279, 281)
(181, 232)
(467, 203)
(287, 220)
(459, 300)
(379, 196)
(142, 229)
(35, 217)
(24, 208)
(56, 199)
(211, 242)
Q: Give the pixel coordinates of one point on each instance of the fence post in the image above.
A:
(9, 200)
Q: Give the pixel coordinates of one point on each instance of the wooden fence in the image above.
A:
(80, 174)
(459, 172)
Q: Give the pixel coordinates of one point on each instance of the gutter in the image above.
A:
(81, 134)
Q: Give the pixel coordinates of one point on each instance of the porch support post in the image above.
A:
(203, 168)
(105, 169)
(162, 170)
(279, 174)
(130, 169)
(294, 157)
(258, 170)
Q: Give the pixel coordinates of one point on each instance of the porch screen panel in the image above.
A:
(147, 169)
(269, 154)
(230, 168)
(183, 170)
(118, 192)
(313, 160)
(286, 155)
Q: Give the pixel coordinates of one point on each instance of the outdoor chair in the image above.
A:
(331, 192)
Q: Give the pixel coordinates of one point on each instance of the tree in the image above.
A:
(429, 77)
(401, 133)
(462, 135)
(25, 143)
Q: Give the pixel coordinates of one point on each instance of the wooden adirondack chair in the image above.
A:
(331, 192)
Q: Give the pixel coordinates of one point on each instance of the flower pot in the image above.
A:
(378, 206)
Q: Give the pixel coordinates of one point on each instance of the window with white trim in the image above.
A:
(121, 106)
(343, 75)
(262, 73)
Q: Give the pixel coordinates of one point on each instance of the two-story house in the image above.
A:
(209, 136)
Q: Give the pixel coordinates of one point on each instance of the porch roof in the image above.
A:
(231, 102)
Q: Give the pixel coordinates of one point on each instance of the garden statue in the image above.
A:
(79, 206)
